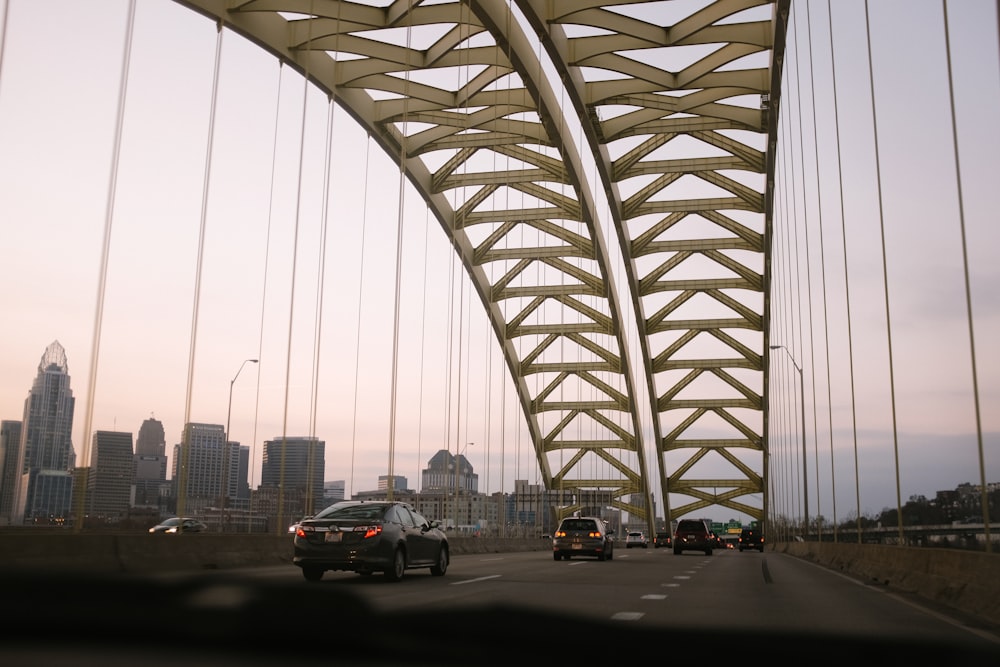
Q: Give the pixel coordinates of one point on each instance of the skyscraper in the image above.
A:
(150, 464)
(441, 474)
(10, 466)
(296, 463)
(196, 468)
(45, 488)
(109, 484)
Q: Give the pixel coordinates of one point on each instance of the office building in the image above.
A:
(10, 466)
(44, 492)
(150, 465)
(109, 481)
(442, 474)
(197, 467)
(395, 482)
(296, 463)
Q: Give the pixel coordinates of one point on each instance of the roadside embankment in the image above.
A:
(967, 581)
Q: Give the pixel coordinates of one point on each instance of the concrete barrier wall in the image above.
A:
(156, 553)
(967, 581)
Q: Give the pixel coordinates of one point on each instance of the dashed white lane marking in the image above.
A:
(653, 596)
(670, 585)
(681, 576)
(471, 581)
(627, 616)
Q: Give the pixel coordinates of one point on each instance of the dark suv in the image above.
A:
(693, 535)
(751, 538)
(583, 536)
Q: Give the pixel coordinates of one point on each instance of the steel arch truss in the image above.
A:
(673, 98)
(454, 91)
(678, 106)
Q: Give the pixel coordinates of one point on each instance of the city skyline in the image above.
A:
(176, 326)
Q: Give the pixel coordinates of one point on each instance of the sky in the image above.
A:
(177, 324)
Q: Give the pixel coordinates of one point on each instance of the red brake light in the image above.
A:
(369, 531)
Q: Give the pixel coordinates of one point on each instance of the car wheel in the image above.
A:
(395, 573)
(677, 552)
(312, 573)
(611, 552)
(708, 552)
(602, 556)
(556, 555)
(441, 567)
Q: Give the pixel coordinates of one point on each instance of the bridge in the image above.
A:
(729, 256)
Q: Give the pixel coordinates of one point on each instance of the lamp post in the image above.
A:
(805, 466)
(225, 447)
(455, 472)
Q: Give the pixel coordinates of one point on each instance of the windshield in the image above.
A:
(359, 512)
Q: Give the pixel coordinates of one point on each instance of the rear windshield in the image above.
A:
(361, 511)
(691, 525)
(579, 524)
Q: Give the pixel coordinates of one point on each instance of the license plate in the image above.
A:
(333, 536)
(577, 546)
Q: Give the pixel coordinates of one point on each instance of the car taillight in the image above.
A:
(369, 531)
(593, 533)
(560, 533)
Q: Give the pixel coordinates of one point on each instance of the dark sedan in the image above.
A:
(369, 536)
(583, 536)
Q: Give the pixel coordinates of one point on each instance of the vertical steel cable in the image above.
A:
(294, 275)
(206, 179)
(357, 333)
(984, 495)
(267, 257)
(885, 286)
(800, 253)
(847, 282)
(320, 291)
(785, 490)
(3, 34)
(401, 202)
(80, 486)
(313, 444)
(423, 337)
(822, 260)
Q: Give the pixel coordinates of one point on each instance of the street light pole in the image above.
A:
(225, 447)
(805, 465)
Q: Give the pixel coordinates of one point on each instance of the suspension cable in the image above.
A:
(267, 259)
(80, 489)
(847, 281)
(294, 272)
(401, 201)
(984, 494)
(885, 283)
(357, 334)
(200, 261)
